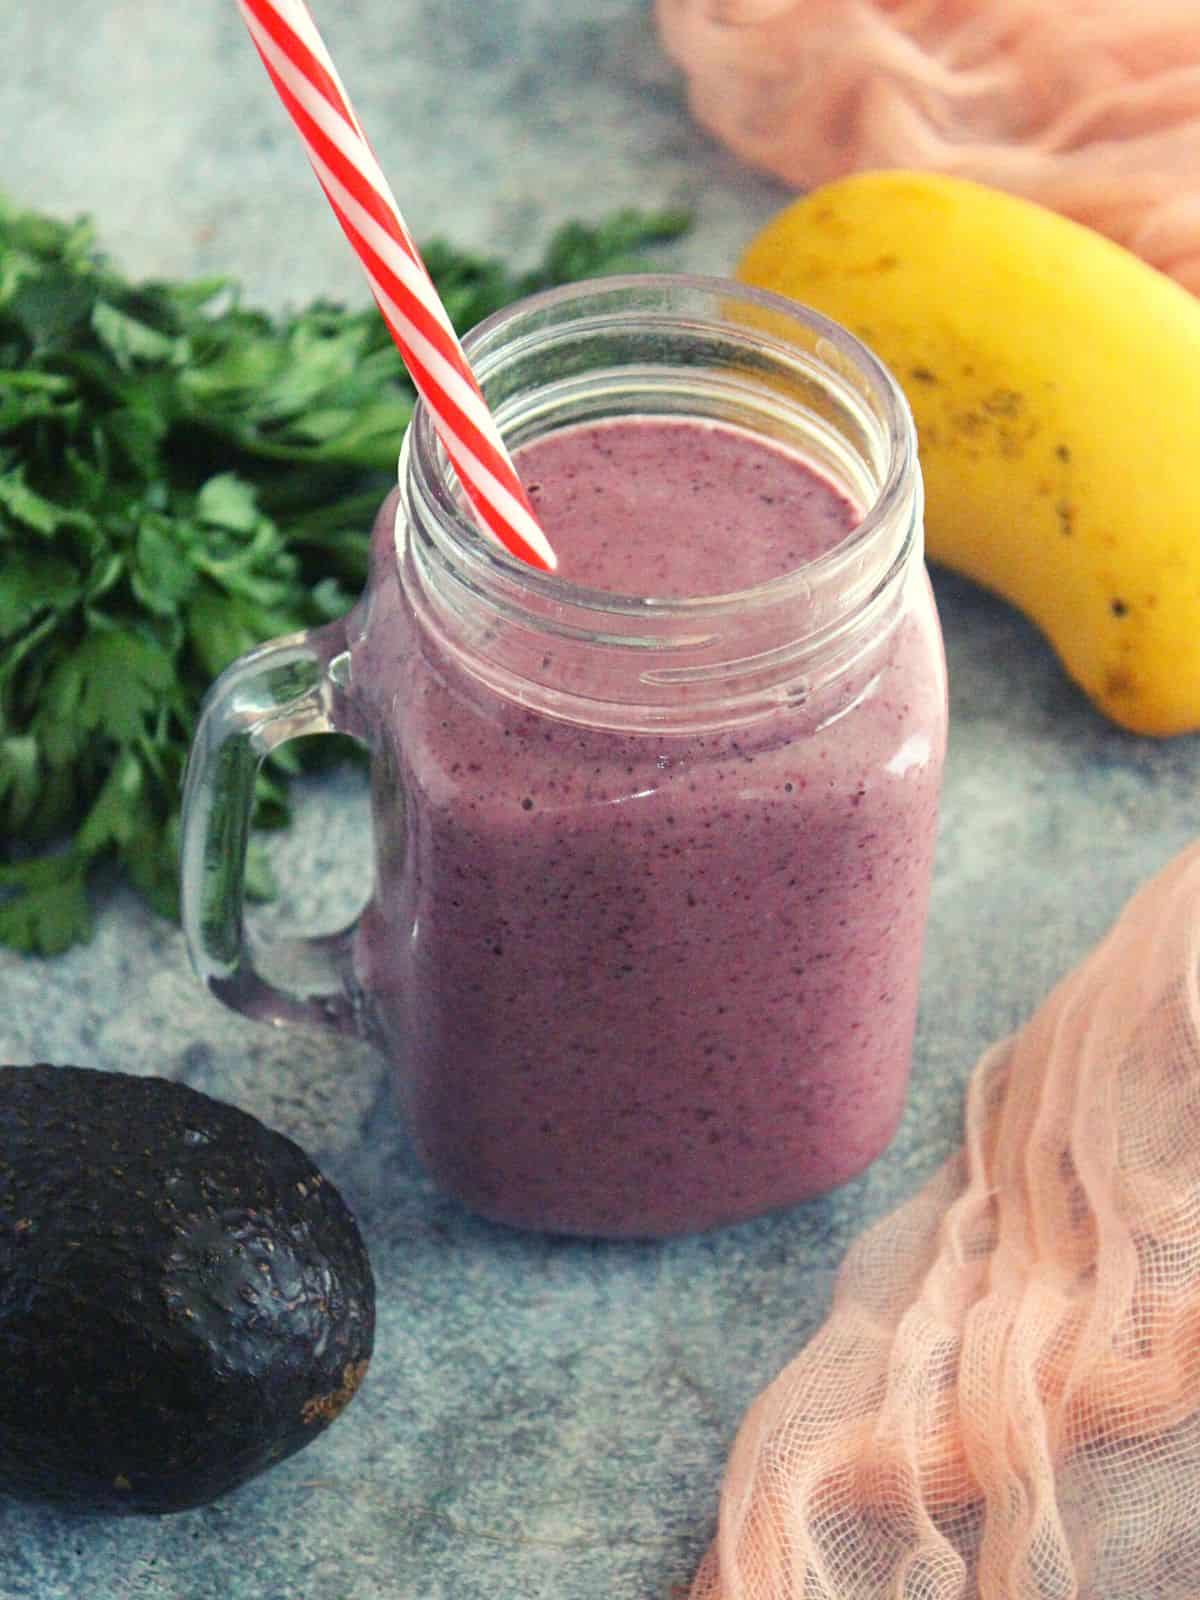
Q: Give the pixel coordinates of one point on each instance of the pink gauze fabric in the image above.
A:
(1004, 1403)
(1091, 107)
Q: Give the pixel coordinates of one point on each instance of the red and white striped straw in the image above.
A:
(306, 80)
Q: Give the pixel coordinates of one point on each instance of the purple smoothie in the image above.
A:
(647, 983)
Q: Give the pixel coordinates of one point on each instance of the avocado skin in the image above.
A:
(184, 1298)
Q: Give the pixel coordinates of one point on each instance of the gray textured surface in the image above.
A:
(541, 1418)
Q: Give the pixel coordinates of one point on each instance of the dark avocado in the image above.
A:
(184, 1299)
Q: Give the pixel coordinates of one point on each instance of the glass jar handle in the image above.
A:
(280, 691)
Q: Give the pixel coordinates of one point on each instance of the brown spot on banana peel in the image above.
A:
(1004, 403)
(1119, 685)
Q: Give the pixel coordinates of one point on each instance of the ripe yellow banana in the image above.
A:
(1055, 382)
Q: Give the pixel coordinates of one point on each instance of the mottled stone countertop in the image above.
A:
(542, 1418)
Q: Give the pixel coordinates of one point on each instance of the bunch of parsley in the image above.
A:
(180, 478)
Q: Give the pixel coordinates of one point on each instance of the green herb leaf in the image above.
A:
(228, 502)
(109, 687)
(44, 581)
(20, 781)
(35, 511)
(129, 341)
(44, 905)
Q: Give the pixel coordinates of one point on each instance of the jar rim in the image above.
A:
(633, 296)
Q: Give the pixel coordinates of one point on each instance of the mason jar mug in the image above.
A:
(652, 858)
